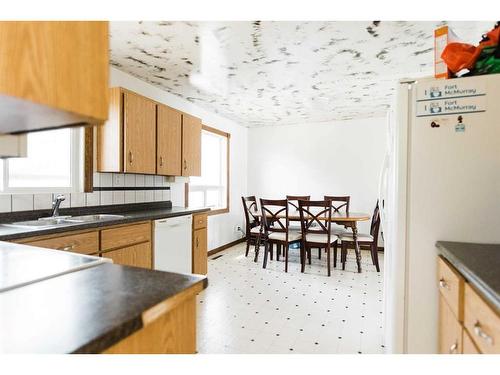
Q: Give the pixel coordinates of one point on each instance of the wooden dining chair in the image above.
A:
(293, 211)
(365, 241)
(315, 219)
(252, 222)
(275, 222)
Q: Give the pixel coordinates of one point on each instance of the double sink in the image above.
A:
(57, 221)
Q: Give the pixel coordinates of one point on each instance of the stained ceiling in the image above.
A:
(278, 73)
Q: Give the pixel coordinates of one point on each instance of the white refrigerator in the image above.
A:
(440, 181)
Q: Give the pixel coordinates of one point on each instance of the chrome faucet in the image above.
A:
(56, 203)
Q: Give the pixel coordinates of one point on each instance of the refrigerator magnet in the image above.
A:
(459, 128)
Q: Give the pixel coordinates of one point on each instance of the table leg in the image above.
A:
(356, 245)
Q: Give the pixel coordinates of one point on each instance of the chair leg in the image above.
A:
(286, 256)
(309, 250)
(248, 247)
(328, 260)
(266, 250)
(375, 257)
(271, 252)
(302, 257)
(335, 254)
(257, 248)
(344, 255)
(319, 252)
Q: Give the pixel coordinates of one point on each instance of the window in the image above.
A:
(53, 164)
(211, 189)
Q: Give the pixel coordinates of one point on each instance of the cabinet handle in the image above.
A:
(443, 284)
(453, 348)
(480, 333)
(185, 164)
(197, 242)
(161, 161)
(130, 157)
(67, 248)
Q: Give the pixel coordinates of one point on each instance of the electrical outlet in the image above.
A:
(118, 179)
(237, 228)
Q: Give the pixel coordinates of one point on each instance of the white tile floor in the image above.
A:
(247, 309)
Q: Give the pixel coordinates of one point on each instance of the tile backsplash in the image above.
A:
(109, 188)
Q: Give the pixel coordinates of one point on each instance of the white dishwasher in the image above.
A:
(172, 246)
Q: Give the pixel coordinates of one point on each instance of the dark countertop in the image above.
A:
(85, 311)
(478, 263)
(22, 264)
(132, 212)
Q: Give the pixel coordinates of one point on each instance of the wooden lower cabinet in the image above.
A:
(471, 326)
(168, 328)
(200, 252)
(200, 244)
(450, 330)
(128, 245)
(136, 255)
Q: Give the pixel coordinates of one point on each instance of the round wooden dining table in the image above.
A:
(348, 220)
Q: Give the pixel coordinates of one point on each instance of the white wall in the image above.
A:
(220, 227)
(337, 158)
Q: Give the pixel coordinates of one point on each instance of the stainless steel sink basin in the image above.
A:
(45, 223)
(48, 222)
(90, 218)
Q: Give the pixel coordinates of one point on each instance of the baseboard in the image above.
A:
(226, 246)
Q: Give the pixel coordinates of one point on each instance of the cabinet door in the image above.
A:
(168, 141)
(468, 345)
(137, 255)
(191, 145)
(450, 330)
(139, 134)
(200, 253)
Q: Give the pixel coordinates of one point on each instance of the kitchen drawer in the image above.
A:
(482, 323)
(451, 286)
(468, 346)
(125, 236)
(199, 221)
(83, 243)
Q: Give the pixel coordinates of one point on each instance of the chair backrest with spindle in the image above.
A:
(375, 224)
(275, 216)
(250, 210)
(340, 204)
(293, 202)
(315, 217)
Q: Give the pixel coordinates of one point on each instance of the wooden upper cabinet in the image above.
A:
(143, 136)
(127, 142)
(191, 145)
(139, 119)
(53, 74)
(168, 141)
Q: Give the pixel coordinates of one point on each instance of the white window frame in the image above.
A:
(76, 171)
(225, 164)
